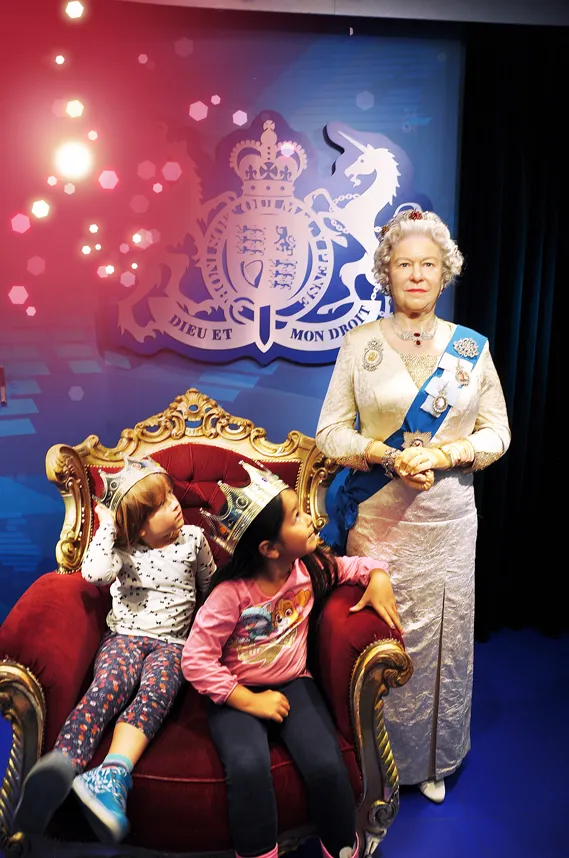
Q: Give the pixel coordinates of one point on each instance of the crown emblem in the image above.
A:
(267, 167)
(243, 505)
(117, 485)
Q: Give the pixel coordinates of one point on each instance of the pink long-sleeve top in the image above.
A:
(241, 636)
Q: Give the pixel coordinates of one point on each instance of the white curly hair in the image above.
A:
(414, 222)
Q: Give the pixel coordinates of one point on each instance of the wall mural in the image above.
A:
(270, 269)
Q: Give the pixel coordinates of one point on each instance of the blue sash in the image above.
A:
(426, 413)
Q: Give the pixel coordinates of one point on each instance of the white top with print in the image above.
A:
(153, 589)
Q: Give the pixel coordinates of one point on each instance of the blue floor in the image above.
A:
(511, 797)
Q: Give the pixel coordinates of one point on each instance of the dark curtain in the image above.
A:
(513, 219)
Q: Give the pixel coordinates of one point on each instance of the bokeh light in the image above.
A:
(31, 311)
(137, 238)
(74, 108)
(110, 269)
(139, 203)
(97, 247)
(215, 99)
(127, 279)
(287, 149)
(73, 160)
(36, 265)
(146, 169)
(240, 117)
(69, 188)
(93, 227)
(184, 47)
(134, 265)
(76, 393)
(40, 208)
(198, 110)
(142, 59)
(86, 250)
(157, 188)
(60, 59)
(18, 294)
(102, 271)
(92, 135)
(52, 180)
(108, 179)
(124, 248)
(74, 9)
(172, 171)
(20, 223)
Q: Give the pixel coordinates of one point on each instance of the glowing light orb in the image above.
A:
(198, 110)
(40, 208)
(137, 238)
(134, 265)
(74, 108)
(139, 203)
(142, 58)
(20, 223)
(171, 171)
(74, 9)
(127, 279)
(31, 311)
(184, 47)
(52, 180)
(36, 265)
(97, 247)
(146, 169)
(239, 117)
(60, 59)
(287, 149)
(73, 161)
(157, 188)
(124, 248)
(69, 188)
(86, 250)
(110, 269)
(92, 135)
(76, 393)
(102, 271)
(215, 99)
(18, 294)
(93, 227)
(108, 179)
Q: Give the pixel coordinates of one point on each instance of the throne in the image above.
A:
(49, 640)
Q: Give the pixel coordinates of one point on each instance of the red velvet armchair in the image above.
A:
(49, 640)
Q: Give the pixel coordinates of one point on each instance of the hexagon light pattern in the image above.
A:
(239, 117)
(36, 265)
(74, 9)
(171, 171)
(40, 208)
(74, 109)
(18, 294)
(198, 110)
(146, 169)
(108, 180)
(20, 223)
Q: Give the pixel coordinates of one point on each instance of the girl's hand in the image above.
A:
(269, 704)
(379, 594)
(104, 514)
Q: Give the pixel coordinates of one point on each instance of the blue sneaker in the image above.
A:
(102, 792)
(46, 787)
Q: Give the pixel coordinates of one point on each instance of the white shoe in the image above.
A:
(433, 790)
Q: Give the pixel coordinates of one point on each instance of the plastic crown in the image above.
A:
(117, 485)
(243, 505)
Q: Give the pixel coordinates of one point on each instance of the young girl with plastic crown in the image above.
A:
(247, 651)
(154, 563)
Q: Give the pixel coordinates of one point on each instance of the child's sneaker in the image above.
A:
(102, 792)
(46, 786)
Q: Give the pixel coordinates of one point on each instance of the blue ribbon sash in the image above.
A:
(426, 413)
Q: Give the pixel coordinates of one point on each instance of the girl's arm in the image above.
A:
(205, 567)
(102, 562)
(373, 574)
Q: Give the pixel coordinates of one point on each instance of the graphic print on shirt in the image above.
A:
(264, 630)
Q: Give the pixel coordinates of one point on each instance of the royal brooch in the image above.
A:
(466, 347)
(373, 355)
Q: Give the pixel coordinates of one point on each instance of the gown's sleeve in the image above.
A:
(336, 435)
(491, 436)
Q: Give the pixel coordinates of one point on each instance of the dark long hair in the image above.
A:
(247, 562)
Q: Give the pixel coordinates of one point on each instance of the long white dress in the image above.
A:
(432, 537)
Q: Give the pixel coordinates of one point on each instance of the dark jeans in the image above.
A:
(309, 734)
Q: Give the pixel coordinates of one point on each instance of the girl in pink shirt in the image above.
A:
(247, 651)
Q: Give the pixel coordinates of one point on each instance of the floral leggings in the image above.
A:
(123, 663)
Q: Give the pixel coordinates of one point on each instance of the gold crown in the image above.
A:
(243, 505)
(117, 485)
(267, 167)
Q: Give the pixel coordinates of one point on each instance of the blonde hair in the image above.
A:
(413, 222)
(139, 502)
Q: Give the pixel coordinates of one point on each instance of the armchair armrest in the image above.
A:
(54, 631)
(359, 659)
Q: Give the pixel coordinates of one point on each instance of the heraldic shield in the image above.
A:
(267, 258)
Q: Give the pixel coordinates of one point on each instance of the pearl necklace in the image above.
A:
(426, 334)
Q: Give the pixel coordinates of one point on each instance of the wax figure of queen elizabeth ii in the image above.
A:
(414, 407)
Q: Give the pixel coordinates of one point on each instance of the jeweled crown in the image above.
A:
(243, 505)
(117, 485)
(268, 167)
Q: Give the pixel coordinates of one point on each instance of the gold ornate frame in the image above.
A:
(190, 418)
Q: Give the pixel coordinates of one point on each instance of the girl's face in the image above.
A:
(297, 536)
(162, 526)
(415, 274)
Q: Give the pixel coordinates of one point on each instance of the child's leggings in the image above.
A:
(123, 663)
(310, 736)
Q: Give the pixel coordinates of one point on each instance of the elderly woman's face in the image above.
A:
(415, 274)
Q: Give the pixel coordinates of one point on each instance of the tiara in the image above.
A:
(408, 214)
(243, 505)
(117, 485)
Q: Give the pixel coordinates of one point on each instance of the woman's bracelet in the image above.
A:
(388, 462)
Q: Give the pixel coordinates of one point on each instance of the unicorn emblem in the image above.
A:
(359, 213)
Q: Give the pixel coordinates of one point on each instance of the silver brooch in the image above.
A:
(466, 347)
(440, 402)
(416, 439)
(373, 355)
